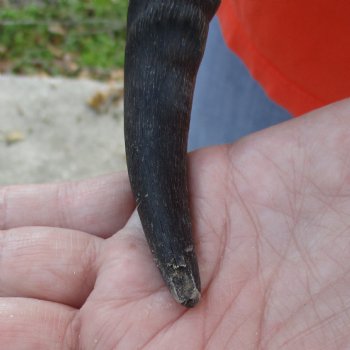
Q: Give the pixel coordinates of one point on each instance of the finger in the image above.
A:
(48, 263)
(99, 206)
(36, 324)
(127, 258)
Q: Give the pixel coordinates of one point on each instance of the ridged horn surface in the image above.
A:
(165, 44)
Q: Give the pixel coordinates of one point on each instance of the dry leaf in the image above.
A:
(3, 50)
(97, 100)
(56, 28)
(84, 74)
(56, 52)
(117, 74)
(14, 137)
(101, 101)
(69, 64)
(5, 66)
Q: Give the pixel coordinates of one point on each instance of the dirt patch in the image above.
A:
(49, 131)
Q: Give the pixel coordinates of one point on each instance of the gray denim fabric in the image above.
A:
(228, 103)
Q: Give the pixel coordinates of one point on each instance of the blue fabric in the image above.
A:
(228, 103)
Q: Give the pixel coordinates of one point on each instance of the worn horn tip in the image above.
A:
(184, 289)
(193, 300)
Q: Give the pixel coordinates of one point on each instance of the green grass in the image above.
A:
(65, 37)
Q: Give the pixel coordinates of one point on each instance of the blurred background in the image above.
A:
(75, 38)
(61, 89)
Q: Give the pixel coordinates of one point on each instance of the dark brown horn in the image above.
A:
(165, 44)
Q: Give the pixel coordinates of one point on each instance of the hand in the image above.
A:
(271, 221)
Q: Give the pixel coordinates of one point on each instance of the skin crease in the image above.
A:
(271, 222)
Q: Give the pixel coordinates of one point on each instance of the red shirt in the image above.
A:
(299, 50)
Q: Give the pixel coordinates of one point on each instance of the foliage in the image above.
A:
(67, 37)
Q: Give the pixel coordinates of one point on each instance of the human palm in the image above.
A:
(271, 217)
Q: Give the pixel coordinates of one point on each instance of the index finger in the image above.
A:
(99, 206)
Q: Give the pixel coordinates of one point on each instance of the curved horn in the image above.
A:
(165, 44)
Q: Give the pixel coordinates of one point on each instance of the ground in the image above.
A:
(54, 129)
